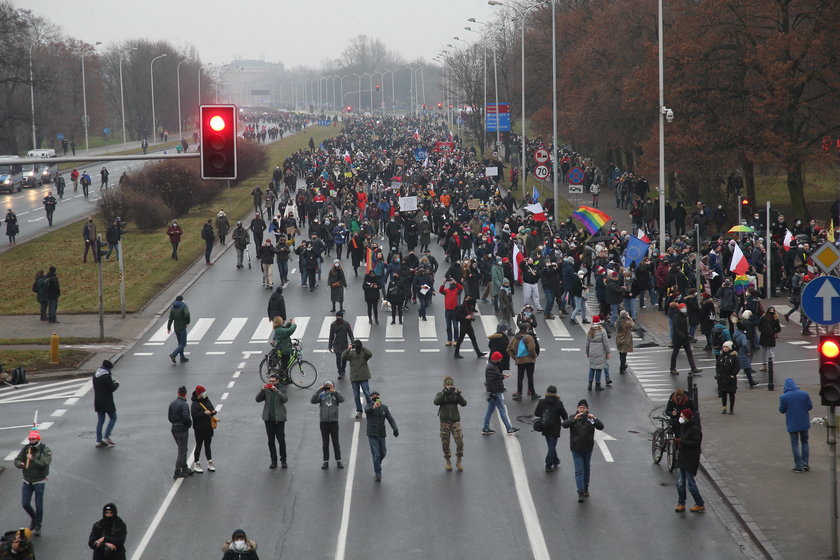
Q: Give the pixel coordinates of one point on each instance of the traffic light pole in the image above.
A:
(832, 469)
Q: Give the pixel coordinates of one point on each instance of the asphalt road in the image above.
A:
(502, 506)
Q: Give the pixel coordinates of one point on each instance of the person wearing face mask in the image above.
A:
(328, 400)
(174, 232)
(451, 291)
(582, 428)
(726, 374)
(338, 283)
(682, 339)
(340, 338)
(203, 412)
(240, 547)
(688, 461)
(34, 460)
(107, 537)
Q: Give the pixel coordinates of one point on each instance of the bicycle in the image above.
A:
(663, 443)
(296, 370)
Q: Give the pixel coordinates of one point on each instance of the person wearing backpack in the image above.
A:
(448, 401)
(551, 414)
(523, 349)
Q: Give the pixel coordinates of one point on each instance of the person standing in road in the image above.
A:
(240, 547)
(60, 185)
(222, 226)
(582, 428)
(258, 227)
(494, 385)
(49, 206)
(328, 399)
(795, 404)
(34, 460)
(341, 336)
(53, 293)
(523, 349)
(273, 395)
(370, 287)
(209, 237)
(682, 339)
(624, 338)
(181, 421)
(448, 402)
(377, 413)
(358, 357)
(89, 237)
(107, 536)
(12, 228)
(688, 461)
(104, 386)
(174, 232)
(204, 423)
(103, 175)
(451, 291)
(74, 178)
(552, 414)
(241, 239)
(338, 283)
(179, 317)
(726, 374)
(85, 180)
(40, 289)
(266, 256)
(598, 352)
(276, 304)
(465, 314)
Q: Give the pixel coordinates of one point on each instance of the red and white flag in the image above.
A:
(642, 235)
(518, 258)
(417, 134)
(788, 239)
(537, 210)
(739, 264)
(347, 157)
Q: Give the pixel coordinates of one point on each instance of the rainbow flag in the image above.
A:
(742, 282)
(591, 218)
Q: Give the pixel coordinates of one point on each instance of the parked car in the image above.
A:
(11, 175)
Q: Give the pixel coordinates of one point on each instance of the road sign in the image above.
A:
(821, 300)
(497, 117)
(575, 175)
(541, 172)
(541, 155)
(106, 131)
(59, 136)
(575, 189)
(827, 257)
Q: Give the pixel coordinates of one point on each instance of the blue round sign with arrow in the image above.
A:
(821, 300)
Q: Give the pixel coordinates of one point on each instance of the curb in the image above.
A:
(749, 524)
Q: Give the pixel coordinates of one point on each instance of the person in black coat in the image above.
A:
(688, 461)
(552, 413)
(682, 339)
(276, 304)
(498, 342)
(203, 418)
(726, 374)
(581, 441)
(707, 320)
(53, 293)
(465, 314)
(104, 386)
(107, 537)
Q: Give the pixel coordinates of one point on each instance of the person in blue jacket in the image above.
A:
(795, 404)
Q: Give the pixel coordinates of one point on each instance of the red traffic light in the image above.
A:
(218, 142)
(829, 350)
(377, 87)
(745, 202)
(440, 105)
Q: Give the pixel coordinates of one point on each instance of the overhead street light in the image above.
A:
(84, 94)
(152, 73)
(122, 96)
(178, 80)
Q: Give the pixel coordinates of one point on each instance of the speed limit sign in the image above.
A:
(541, 155)
(541, 172)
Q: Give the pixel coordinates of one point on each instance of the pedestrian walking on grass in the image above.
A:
(448, 401)
(40, 289)
(688, 461)
(328, 399)
(204, 422)
(795, 404)
(179, 319)
(174, 232)
(582, 428)
(377, 413)
(104, 386)
(181, 422)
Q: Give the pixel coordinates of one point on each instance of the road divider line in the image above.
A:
(341, 543)
(147, 536)
(526, 500)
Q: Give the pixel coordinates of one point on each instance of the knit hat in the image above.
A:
(199, 389)
(107, 364)
(339, 313)
(496, 357)
(448, 381)
(682, 306)
(687, 413)
(182, 391)
(596, 320)
(583, 402)
(238, 533)
(35, 434)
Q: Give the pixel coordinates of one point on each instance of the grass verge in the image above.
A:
(148, 266)
(39, 360)
(45, 340)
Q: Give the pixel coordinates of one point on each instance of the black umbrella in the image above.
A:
(599, 238)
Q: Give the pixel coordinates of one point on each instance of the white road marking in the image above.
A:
(241, 365)
(427, 328)
(570, 350)
(224, 396)
(558, 329)
(394, 331)
(200, 329)
(320, 351)
(248, 353)
(601, 438)
(143, 354)
(263, 332)
(37, 219)
(232, 329)
(341, 543)
(147, 536)
(59, 412)
(219, 407)
(526, 500)
(393, 350)
(11, 456)
(236, 374)
(153, 343)
(361, 328)
(430, 349)
(71, 401)
(160, 335)
(231, 384)
(324, 333)
(214, 353)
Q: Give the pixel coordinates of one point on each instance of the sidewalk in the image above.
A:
(748, 459)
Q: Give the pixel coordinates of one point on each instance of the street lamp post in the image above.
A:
(178, 79)
(32, 98)
(662, 112)
(484, 75)
(122, 96)
(152, 74)
(84, 97)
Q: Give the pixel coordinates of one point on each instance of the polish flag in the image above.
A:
(788, 239)
(739, 264)
(417, 134)
(643, 236)
(347, 157)
(537, 211)
(518, 258)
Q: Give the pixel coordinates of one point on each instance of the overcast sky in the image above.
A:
(293, 32)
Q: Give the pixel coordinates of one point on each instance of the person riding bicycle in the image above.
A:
(283, 331)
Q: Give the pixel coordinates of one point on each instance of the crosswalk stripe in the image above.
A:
(300, 331)
(361, 328)
(489, 322)
(797, 342)
(557, 328)
(263, 332)
(394, 331)
(427, 328)
(160, 335)
(62, 391)
(200, 329)
(324, 333)
(232, 329)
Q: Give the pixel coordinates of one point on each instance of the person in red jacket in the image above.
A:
(451, 291)
(174, 232)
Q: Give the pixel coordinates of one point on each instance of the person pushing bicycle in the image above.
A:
(283, 331)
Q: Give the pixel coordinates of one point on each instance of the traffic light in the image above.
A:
(377, 87)
(218, 142)
(829, 349)
(440, 106)
(348, 108)
(745, 202)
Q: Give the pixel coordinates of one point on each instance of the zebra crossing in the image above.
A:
(45, 390)
(646, 366)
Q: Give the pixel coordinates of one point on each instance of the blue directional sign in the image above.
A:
(59, 136)
(106, 131)
(497, 116)
(326, 122)
(821, 300)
